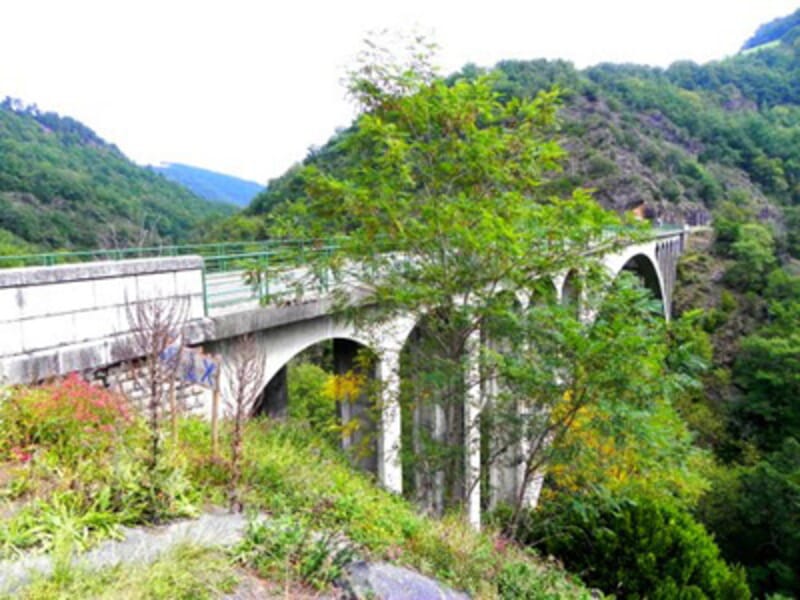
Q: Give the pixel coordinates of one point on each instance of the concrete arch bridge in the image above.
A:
(67, 312)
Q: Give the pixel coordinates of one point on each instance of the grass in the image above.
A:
(290, 472)
(65, 500)
(188, 573)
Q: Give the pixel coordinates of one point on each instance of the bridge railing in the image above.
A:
(259, 271)
(272, 274)
(47, 259)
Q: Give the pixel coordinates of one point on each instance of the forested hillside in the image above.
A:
(774, 31)
(61, 186)
(210, 184)
(715, 143)
(682, 140)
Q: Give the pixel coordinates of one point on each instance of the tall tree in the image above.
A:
(443, 214)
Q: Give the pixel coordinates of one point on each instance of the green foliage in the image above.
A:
(186, 573)
(310, 402)
(281, 549)
(77, 464)
(519, 580)
(754, 253)
(61, 186)
(237, 227)
(754, 512)
(768, 370)
(636, 548)
(610, 416)
(11, 245)
(438, 174)
(70, 421)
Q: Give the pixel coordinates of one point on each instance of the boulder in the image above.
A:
(382, 581)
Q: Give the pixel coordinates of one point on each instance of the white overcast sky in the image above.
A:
(245, 86)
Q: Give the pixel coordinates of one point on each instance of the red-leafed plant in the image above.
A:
(70, 417)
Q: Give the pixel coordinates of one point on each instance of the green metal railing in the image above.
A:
(252, 266)
(252, 273)
(48, 259)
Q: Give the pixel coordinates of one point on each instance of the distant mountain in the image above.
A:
(210, 184)
(62, 186)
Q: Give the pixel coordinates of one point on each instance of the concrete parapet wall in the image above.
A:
(54, 320)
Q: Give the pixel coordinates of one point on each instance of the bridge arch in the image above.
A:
(642, 261)
(571, 290)
(282, 344)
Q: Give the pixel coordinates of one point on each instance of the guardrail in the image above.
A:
(47, 259)
(253, 275)
(252, 265)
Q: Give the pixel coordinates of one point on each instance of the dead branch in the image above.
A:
(244, 377)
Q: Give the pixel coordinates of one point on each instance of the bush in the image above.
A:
(640, 548)
(76, 461)
(309, 402)
(753, 512)
(70, 419)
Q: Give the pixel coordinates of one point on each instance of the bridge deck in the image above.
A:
(226, 286)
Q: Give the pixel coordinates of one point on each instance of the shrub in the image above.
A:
(753, 512)
(70, 419)
(78, 470)
(309, 401)
(640, 548)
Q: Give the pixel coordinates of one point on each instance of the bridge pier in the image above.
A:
(390, 470)
(473, 409)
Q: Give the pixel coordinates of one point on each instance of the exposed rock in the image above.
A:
(382, 581)
(140, 545)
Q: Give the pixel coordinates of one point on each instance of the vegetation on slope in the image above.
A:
(773, 31)
(61, 186)
(748, 411)
(73, 467)
(680, 140)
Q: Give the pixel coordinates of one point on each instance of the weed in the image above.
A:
(286, 549)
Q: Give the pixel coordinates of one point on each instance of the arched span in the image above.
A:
(284, 343)
(572, 291)
(647, 271)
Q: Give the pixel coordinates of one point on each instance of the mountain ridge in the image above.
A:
(63, 187)
(209, 184)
